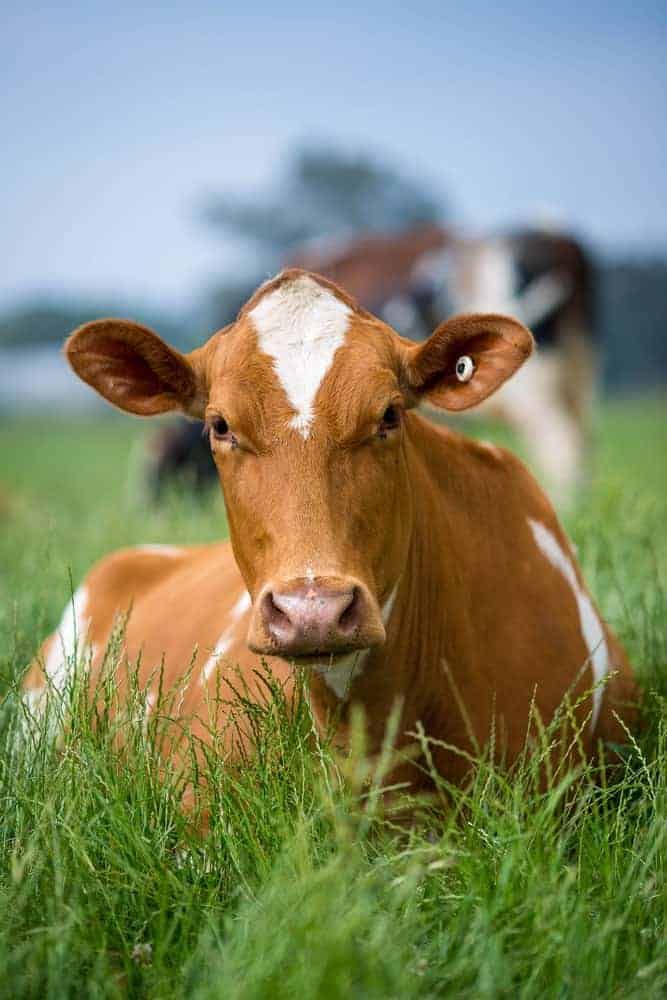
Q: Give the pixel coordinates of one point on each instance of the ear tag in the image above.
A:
(465, 367)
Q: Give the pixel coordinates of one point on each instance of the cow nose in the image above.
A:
(308, 619)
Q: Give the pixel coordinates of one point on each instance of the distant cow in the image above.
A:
(399, 563)
(415, 279)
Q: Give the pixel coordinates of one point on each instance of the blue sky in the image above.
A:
(117, 119)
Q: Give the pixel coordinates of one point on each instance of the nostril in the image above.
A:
(273, 614)
(349, 619)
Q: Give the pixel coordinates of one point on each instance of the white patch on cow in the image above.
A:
(241, 606)
(226, 640)
(151, 698)
(160, 550)
(388, 605)
(532, 402)
(591, 627)
(494, 287)
(542, 297)
(69, 643)
(33, 697)
(484, 278)
(488, 446)
(219, 650)
(34, 704)
(301, 325)
(494, 279)
(68, 648)
(34, 700)
(341, 671)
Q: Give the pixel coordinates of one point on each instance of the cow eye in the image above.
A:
(391, 418)
(221, 432)
(220, 427)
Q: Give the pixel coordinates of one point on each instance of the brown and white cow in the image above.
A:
(398, 562)
(415, 279)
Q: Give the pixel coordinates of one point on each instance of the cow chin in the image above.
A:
(321, 659)
(309, 654)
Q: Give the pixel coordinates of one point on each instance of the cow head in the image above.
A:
(306, 399)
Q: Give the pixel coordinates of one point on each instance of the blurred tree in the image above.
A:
(41, 323)
(325, 192)
(633, 308)
(50, 321)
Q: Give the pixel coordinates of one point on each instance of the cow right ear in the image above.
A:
(466, 359)
(136, 370)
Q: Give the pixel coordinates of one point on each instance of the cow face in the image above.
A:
(306, 399)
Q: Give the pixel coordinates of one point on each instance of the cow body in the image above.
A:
(400, 563)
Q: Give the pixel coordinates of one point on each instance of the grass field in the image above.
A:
(106, 890)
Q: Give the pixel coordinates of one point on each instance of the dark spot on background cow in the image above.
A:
(179, 453)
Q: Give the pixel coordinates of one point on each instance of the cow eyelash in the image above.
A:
(219, 429)
(391, 419)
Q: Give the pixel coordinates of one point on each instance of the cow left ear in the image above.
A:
(466, 359)
(136, 370)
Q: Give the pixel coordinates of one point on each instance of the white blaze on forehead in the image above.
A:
(301, 325)
(591, 628)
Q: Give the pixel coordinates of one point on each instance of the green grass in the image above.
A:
(107, 890)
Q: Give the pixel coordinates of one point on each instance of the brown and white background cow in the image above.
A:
(539, 275)
(400, 563)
